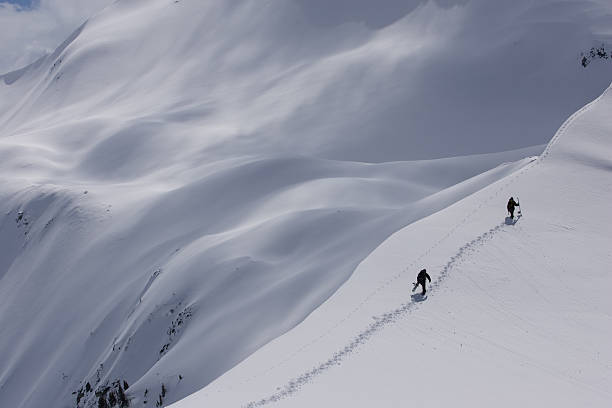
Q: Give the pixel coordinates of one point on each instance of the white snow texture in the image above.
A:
(229, 201)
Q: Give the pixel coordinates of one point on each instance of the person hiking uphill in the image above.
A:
(421, 277)
(510, 206)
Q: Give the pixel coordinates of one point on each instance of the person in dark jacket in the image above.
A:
(510, 206)
(421, 280)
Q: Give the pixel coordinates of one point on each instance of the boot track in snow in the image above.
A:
(380, 323)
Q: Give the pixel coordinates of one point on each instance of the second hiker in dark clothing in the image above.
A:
(510, 207)
(421, 280)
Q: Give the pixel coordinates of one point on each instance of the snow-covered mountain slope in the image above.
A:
(244, 77)
(184, 181)
(95, 281)
(518, 313)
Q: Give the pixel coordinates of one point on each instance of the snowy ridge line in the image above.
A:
(293, 386)
(410, 266)
(569, 121)
(381, 322)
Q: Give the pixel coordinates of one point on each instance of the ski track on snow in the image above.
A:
(392, 316)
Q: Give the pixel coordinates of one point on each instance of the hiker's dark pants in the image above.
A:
(511, 211)
(422, 283)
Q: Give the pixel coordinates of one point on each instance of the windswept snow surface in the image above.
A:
(519, 312)
(181, 182)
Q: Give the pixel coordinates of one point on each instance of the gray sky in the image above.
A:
(31, 28)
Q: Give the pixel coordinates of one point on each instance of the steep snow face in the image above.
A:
(254, 78)
(517, 314)
(177, 178)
